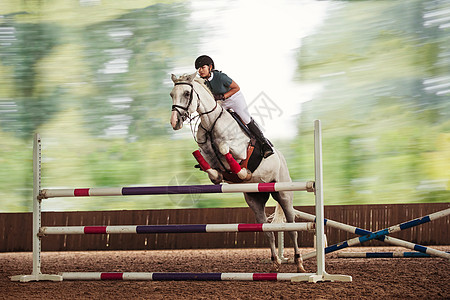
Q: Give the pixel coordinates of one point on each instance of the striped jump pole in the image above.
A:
(200, 228)
(385, 238)
(384, 232)
(183, 189)
(186, 276)
(394, 254)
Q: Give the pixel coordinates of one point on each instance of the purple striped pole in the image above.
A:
(186, 276)
(386, 231)
(196, 228)
(395, 254)
(182, 189)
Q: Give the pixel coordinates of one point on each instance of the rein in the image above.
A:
(209, 132)
(186, 112)
(185, 108)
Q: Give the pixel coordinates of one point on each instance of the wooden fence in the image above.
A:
(16, 228)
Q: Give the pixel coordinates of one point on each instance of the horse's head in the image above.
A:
(184, 102)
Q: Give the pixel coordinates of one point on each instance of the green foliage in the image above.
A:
(381, 122)
(94, 82)
(114, 69)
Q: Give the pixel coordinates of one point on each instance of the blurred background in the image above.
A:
(93, 78)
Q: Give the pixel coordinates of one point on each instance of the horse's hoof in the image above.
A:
(299, 262)
(300, 269)
(276, 264)
(249, 175)
(244, 174)
(214, 176)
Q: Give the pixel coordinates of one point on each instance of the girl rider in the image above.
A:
(224, 88)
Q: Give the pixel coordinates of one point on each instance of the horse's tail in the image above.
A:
(279, 217)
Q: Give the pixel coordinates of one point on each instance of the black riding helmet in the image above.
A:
(203, 60)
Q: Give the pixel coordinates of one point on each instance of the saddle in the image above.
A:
(240, 123)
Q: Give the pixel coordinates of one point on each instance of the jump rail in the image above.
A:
(196, 228)
(184, 276)
(383, 238)
(395, 254)
(382, 233)
(183, 189)
(39, 231)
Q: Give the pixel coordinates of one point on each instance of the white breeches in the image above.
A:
(237, 103)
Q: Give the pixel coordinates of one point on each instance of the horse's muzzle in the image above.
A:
(176, 120)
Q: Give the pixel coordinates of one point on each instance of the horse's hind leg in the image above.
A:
(285, 199)
(257, 202)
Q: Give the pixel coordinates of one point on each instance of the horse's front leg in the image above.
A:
(215, 176)
(242, 173)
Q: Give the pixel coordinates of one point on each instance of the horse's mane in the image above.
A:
(201, 81)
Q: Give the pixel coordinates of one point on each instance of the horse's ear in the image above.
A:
(174, 78)
(192, 76)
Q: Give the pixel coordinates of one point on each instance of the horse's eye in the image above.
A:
(186, 94)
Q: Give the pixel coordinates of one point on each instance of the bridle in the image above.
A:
(175, 107)
(186, 114)
(185, 108)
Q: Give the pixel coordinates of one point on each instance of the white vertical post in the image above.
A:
(321, 275)
(36, 274)
(36, 205)
(281, 246)
(320, 219)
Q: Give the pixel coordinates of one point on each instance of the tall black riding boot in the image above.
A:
(257, 133)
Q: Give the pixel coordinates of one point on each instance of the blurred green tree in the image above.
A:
(380, 64)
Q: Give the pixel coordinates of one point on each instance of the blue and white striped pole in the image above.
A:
(386, 239)
(387, 231)
(394, 254)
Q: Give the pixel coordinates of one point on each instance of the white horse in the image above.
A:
(222, 142)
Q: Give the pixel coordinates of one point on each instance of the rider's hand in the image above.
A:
(219, 97)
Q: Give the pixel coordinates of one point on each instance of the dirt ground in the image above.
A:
(385, 278)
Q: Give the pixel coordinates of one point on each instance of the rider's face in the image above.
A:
(204, 71)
